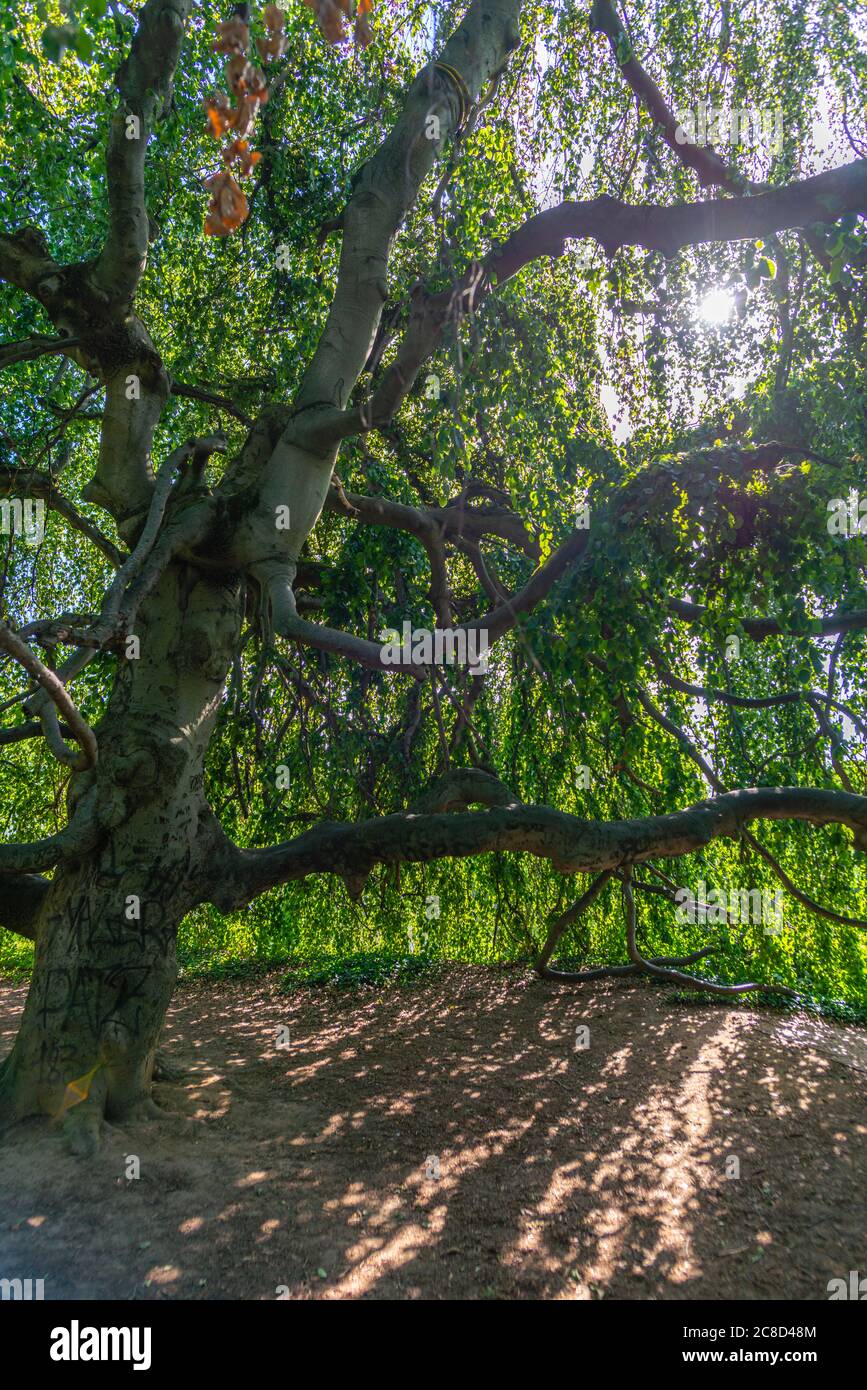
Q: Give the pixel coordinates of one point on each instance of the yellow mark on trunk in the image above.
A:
(77, 1091)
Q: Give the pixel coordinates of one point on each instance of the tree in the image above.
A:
(648, 642)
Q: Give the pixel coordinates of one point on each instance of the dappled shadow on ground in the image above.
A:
(565, 1171)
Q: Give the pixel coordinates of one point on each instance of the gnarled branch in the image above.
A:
(572, 845)
(21, 899)
(55, 692)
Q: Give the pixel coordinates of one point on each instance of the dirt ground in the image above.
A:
(564, 1171)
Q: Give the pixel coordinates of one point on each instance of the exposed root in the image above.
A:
(605, 971)
(660, 967)
(82, 1128)
(144, 1108)
(665, 972)
(167, 1070)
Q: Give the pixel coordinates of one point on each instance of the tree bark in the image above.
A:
(106, 928)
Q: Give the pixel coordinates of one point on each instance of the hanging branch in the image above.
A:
(56, 693)
(667, 971)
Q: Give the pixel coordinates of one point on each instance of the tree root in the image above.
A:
(606, 971)
(82, 1128)
(659, 967)
(167, 1070)
(664, 972)
(144, 1108)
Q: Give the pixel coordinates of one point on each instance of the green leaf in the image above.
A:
(56, 39)
(83, 45)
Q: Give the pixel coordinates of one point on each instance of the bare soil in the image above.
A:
(310, 1171)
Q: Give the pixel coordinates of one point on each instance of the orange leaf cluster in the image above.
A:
(234, 37)
(275, 45)
(228, 206)
(220, 114)
(243, 78)
(331, 16)
(247, 158)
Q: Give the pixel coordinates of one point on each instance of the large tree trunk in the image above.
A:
(105, 938)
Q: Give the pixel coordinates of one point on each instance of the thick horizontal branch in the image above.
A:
(21, 899)
(692, 752)
(20, 733)
(573, 845)
(37, 345)
(703, 159)
(79, 836)
(613, 223)
(760, 628)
